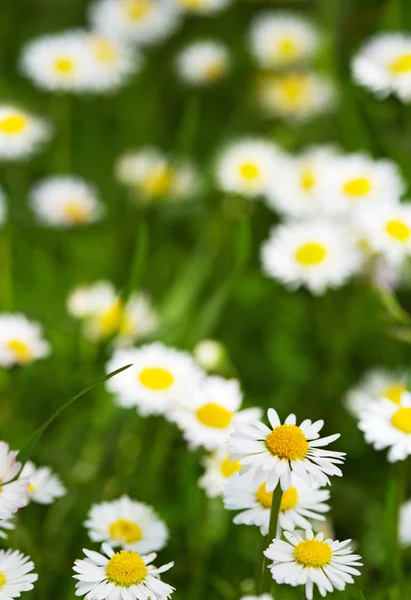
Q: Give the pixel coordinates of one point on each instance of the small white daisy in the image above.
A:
(15, 574)
(209, 354)
(203, 62)
(21, 134)
(281, 39)
(44, 486)
(13, 493)
(404, 526)
(160, 378)
(202, 7)
(317, 254)
(21, 340)
(274, 454)
(305, 559)
(375, 384)
(124, 574)
(65, 201)
(127, 523)
(218, 468)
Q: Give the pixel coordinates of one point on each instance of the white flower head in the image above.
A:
(202, 7)
(209, 354)
(44, 486)
(274, 454)
(21, 134)
(203, 62)
(21, 340)
(218, 469)
(305, 559)
(13, 494)
(16, 574)
(375, 384)
(404, 526)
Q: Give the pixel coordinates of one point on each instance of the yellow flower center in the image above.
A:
(77, 212)
(214, 70)
(21, 351)
(287, 47)
(313, 553)
(31, 488)
(110, 321)
(158, 182)
(2, 580)
(249, 171)
(125, 569)
(13, 124)
(310, 254)
(398, 230)
(156, 378)
(357, 187)
(264, 498)
(214, 415)
(127, 531)
(104, 50)
(289, 499)
(229, 467)
(293, 88)
(137, 9)
(287, 442)
(307, 178)
(64, 66)
(401, 419)
(394, 392)
(401, 64)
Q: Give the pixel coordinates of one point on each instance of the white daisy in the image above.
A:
(21, 340)
(300, 503)
(318, 254)
(203, 62)
(124, 574)
(281, 39)
(305, 559)
(44, 486)
(247, 166)
(126, 523)
(404, 526)
(65, 201)
(202, 7)
(375, 384)
(160, 378)
(273, 454)
(13, 494)
(209, 354)
(383, 65)
(21, 134)
(218, 468)
(15, 574)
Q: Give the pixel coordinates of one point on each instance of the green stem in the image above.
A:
(264, 582)
(401, 476)
(7, 268)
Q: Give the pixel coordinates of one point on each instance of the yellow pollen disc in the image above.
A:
(214, 415)
(402, 419)
(156, 378)
(193, 4)
(110, 321)
(264, 498)
(214, 71)
(77, 212)
(13, 124)
(104, 50)
(310, 254)
(307, 179)
(229, 467)
(394, 392)
(312, 553)
(289, 499)
(31, 488)
(127, 531)
(401, 64)
(2, 580)
(64, 66)
(287, 442)
(137, 9)
(21, 351)
(398, 230)
(357, 187)
(249, 171)
(293, 88)
(287, 47)
(126, 569)
(158, 182)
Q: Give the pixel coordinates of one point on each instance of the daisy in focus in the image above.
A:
(203, 63)
(218, 469)
(375, 384)
(16, 574)
(13, 493)
(44, 486)
(160, 378)
(305, 559)
(21, 134)
(207, 416)
(282, 39)
(202, 7)
(21, 341)
(123, 574)
(274, 454)
(383, 65)
(126, 523)
(317, 254)
(404, 526)
(65, 201)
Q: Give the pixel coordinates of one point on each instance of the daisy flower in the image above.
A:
(274, 454)
(300, 504)
(21, 340)
(305, 559)
(44, 486)
(202, 7)
(126, 523)
(404, 526)
(123, 574)
(21, 134)
(65, 201)
(383, 65)
(375, 384)
(16, 574)
(281, 39)
(203, 63)
(209, 354)
(218, 468)
(13, 494)
(317, 254)
(160, 378)
(247, 166)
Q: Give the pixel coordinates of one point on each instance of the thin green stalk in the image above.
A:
(401, 474)
(264, 583)
(6, 268)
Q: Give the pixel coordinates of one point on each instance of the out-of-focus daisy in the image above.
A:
(44, 486)
(21, 134)
(387, 424)
(5, 526)
(404, 526)
(160, 378)
(318, 254)
(13, 494)
(305, 559)
(383, 65)
(202, 7)
(246, 167)
(218, 469)
(203, 62)
(375, 384)
(274, 454)
(209, 354)
(112, 62)
(206, 417)
(16, 574)
(127, 523)
(281, 39)
(65, 201)
(295, 95)
(143, 21)
(21, 340)
(123, 574)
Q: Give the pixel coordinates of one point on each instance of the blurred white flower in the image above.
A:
(209, 354)
(218, 468)
(21, 134)
(21, 340)
(375, 384)
(404, 526)
(44, 486)
(16, 574)
(203, 62)
(13, 493)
